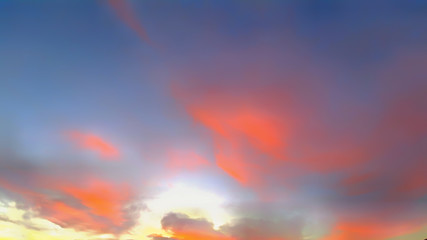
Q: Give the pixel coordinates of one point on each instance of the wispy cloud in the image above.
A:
(126, 14)
(95, 143)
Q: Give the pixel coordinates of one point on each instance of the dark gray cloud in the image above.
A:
(159, 237)
(178, 222)
(240, 229)
(255, 229)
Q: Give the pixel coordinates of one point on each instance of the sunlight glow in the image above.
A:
(194, 202)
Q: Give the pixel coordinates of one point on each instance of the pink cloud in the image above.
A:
(94, 143)
(127, 15)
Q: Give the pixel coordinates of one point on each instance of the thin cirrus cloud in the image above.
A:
(94, 143)
(179, 160)
(126, 14)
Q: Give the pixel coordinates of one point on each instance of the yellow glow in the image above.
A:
(106, 236)
(14, 229)
(194, 202)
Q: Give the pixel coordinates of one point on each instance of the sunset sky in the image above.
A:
(213, 120)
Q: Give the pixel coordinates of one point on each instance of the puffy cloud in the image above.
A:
(183, 227)
(159, 237)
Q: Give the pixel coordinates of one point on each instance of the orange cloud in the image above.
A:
(94, 143)
(263, 131)
(360, 151)
(95, 205)
(102, 198)
(64, 215)
(370, 231)
(188, 235)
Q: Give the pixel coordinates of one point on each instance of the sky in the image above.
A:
(213, 120)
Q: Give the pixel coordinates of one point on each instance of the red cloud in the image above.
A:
(94, 143)
(231, 162)
(371, 230)
(240, 129)
(236, 121)
(102, 198)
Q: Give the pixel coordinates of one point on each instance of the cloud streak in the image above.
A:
(126, 14)
(94, 143)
